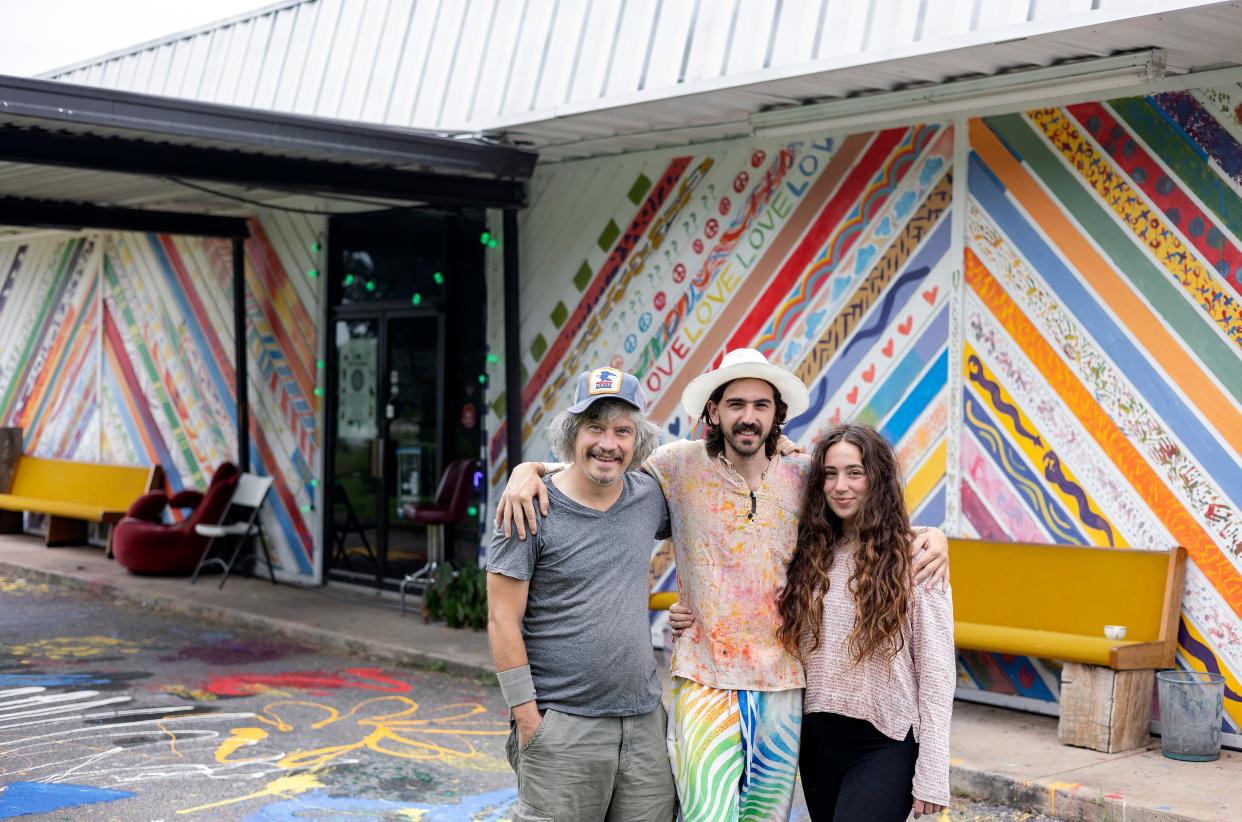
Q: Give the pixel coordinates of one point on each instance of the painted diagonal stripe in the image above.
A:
(790, 242)
(898, 383)
(829, 224)
(1168, 196)
(885, 229)
(979, 516)
(1208, 135)
(921, 225)
(646, 213)
(1172, 146)
(1116, 276)
(761, 203)
(1062, 482)
(864, 213)
(997, 495)
(1160, 345)
(1021, 476)
(1112, 441)
(920, 397)
(1193, 487)
(927, 476)
(1146, 226)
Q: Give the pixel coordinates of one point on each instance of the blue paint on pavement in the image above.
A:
(24, 798)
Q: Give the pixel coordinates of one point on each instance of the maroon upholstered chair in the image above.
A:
(450, 507)
(143, 544)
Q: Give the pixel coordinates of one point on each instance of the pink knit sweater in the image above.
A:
(913, 690)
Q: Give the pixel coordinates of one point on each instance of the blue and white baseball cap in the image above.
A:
(608, 384)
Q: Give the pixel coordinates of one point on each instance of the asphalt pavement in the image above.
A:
(109, 711)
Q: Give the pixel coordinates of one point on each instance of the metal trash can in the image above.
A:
(1191, 707)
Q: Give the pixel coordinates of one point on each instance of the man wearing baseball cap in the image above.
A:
(734, 499)
(567, 619)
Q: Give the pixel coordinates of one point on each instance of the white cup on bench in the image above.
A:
(1115, 631)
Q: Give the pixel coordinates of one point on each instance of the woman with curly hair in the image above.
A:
(878, 649)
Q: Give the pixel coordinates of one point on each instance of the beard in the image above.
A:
(603, 479)
(733, 438)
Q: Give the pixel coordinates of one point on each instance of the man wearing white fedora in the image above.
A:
(734, 500)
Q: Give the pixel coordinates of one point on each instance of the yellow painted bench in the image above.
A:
(661, 601)
(72, 494)
(1053, 601)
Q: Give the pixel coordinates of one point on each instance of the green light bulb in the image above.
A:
(313, 273)
(482, 379)
(493, 358)
(314, 483)
(316, 248)
(473, 510)
(318, 392)
(370, 285)
(491, 244)
(306, 509)
(319, 364)
(438, 277)
(485, 237)
(349, 279)
(416, 299)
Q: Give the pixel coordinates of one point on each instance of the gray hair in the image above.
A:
(562, 432)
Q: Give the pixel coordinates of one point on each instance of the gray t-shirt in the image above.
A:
(586, 630)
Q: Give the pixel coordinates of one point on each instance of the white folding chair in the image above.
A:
(249, 495)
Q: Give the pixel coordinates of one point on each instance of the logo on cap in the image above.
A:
(603, 381)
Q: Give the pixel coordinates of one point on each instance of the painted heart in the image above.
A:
(884, 228)
(888, 349)
(905, 327)
(674, 427)
(852, 397)
(869, 374)
(930, 296)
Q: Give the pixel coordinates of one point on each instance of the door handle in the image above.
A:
(377, 457)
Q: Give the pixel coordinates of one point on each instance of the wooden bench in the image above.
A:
(72, 494)
(1053, 601)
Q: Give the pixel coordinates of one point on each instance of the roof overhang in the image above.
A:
(1194, 46)
(69, 154)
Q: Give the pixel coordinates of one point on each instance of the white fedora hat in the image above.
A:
(740, 364)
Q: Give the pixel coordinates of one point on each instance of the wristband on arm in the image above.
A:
(516, 686)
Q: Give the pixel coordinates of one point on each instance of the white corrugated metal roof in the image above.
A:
(578, 77)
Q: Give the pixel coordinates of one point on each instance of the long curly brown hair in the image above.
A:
(881, 582)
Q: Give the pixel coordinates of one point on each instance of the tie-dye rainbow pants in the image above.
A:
(734, 753)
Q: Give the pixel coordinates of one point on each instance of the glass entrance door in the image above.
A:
(387, 453)
(413, 437)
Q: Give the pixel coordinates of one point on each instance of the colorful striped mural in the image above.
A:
(1103, 343)
(119, 348)
(1048, 329)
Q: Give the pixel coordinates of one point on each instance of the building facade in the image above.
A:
(1033, 290)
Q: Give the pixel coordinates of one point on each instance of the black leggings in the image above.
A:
(851, 772)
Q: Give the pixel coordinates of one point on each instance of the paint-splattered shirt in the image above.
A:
(732, 548)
